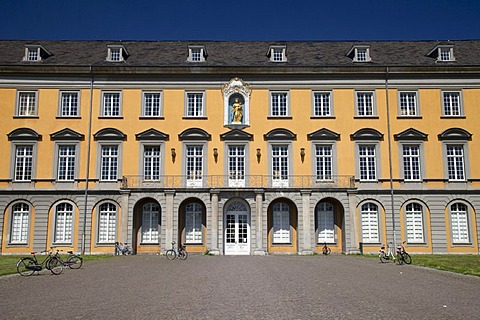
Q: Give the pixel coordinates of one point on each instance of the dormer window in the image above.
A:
(360, 54)
(196, 54)
(35, 53)
(277, 53)
(443, 53)
(117, 53)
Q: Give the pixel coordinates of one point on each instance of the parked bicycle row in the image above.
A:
(52, 261)
(401, 256)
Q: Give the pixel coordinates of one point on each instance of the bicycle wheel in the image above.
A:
(171, 255)
(74, 262)
(25, 266)
(183, 255)
(326, 250)
(55, 266)
(406, 257)
(399, 258)
(383, 257)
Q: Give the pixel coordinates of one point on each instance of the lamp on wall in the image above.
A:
(259, 155)
(215, 154)
(174, 154)
(302, 154)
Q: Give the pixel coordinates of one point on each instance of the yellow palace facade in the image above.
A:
(239, 147)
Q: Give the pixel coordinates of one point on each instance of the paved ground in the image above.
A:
(249, 287)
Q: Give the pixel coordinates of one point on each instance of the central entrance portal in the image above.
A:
(237, 229)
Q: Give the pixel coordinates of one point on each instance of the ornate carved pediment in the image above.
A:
(236, 85)
(411, 134)
(66, 134)
(236, 135)
(152, 134)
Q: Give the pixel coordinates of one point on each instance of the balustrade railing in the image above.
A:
(247, 181)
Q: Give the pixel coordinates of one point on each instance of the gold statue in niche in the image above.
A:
(237, 110)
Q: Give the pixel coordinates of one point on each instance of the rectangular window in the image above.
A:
(281, 223)
(455, 163)
(323, 159)
(69, 104)
(107, 223)
(459, 223)
(151, 162)
(194, 163)
(23, 163)
(451, 104)
(195, 106)
(445, 54)
(115, 54)
(32, 54)
(361, 54)
(280, 168)
(370, 233)
(196, 54)
(365, 104)
(111, 104)
(20, 218)
(63, 223)
(325, 223)
(236, 165)
(152, 104)
(408, 104)
(150, 219)
(279, 104)
(414, 223)
(368, 166)
(321, 104)
(193, 223)
(411, 163)
(27, 103)
(66, 163)
(109, 163)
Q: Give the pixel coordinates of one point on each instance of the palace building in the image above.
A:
(240, 147)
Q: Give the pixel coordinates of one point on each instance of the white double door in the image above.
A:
(237, 233)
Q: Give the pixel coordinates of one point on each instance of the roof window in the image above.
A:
(35, 53)
(117, 53)
(360, 53)
(197, 54)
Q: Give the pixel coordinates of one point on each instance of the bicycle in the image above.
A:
(28, 265)
(73, 260)
(123, 249)
(173, 253)
(386, 255)
(402, 255)
(326, 250)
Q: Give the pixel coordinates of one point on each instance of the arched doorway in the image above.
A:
(237, 228)
(282, 227)
(329, 216)
(146, 226)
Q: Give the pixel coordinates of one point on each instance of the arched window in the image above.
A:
(281, 223)
(150, 222)
(370, 229)
(459, 223)
(20, 223)
(193, 223)
(325, 223)
(107, 223)
(414, 223)
(63, 223)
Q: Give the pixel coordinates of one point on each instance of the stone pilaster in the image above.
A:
(259, 248)
(213, 245)
(306, 239)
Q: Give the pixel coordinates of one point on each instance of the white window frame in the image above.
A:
(116, 53)
(70, 163)
(194, 165)
(281, 224)
(111, 161)
(280, 164)
(362, 54)
(236, 162)
(412, 163)
(325, 214)
(370, 161)
(64, 220)
(324, 161)
(27, 108)
(370, 222)
(449, 109)
(196, 54)
(152, 162)
(408, 104)
(150, 223)
(24, 163)
(445, 54)
(193, 223)
(455, 162)
(109, 108)
(362, 109)
(278, 53)
(322, 103)
(277, 109)
(414, 223)
(194, 110)
(71, 106)
(459, 223)
(107, 223)
(152, 107)
(20, 224)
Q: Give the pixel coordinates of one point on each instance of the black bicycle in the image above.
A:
(402, 255)
(173, 253)
(73, 260)
(122, 249)
(326, 250)
(28, 265)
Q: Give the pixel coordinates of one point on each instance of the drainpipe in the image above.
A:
(88, 162)
(389, 139)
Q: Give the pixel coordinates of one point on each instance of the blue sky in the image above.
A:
(239, 20)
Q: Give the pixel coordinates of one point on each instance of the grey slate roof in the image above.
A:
(241, 53)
